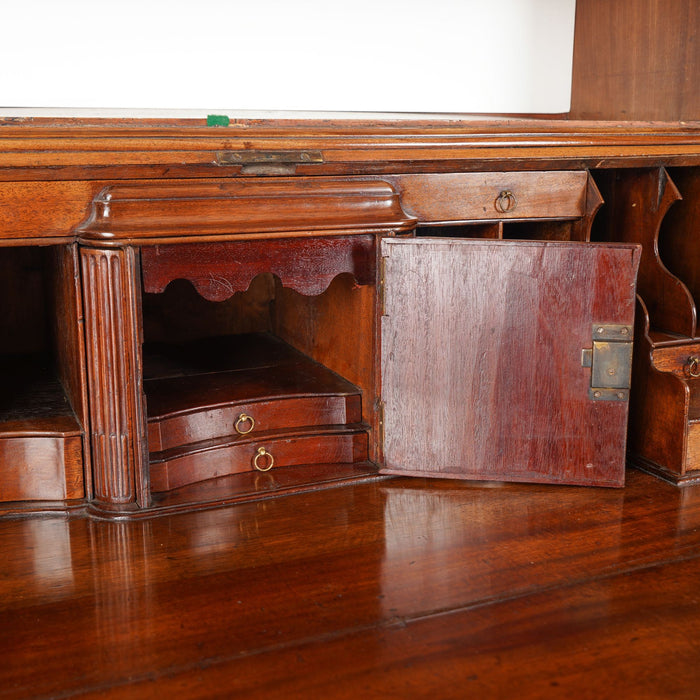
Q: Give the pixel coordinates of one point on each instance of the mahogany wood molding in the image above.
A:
(154, 213)
(83, 149)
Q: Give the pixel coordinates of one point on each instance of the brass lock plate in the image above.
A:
(610, 360)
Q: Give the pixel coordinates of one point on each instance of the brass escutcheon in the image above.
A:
(242, 420)
(505, 201)
(262, 452)
(693, 366)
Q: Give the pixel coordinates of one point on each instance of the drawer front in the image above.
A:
(683, 360)
(245, 420)
(462, 197)
(41, 468)
(288, 451)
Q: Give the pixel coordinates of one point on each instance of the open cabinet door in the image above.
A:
(507, 360)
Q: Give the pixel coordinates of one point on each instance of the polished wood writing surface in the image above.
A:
(363, 591)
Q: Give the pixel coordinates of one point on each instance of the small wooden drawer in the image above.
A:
(41, 468)
(175, 468)
(682, 359)
(243, 404)
(253, 418)
(463, 197)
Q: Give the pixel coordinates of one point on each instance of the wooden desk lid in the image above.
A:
(153, 213)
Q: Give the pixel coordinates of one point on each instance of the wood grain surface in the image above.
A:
(111, 289)
(104, 150)
(397, 588)
(678, 245)
(481, 359)
(636, 202)
(636, 59)
(283, 449)
(219, 270)
(141, 213)
(473, 196)
(292, 391)
(659, 405)
(41, 440)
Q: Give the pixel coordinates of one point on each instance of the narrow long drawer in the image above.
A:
(455, 197)
(175, 468)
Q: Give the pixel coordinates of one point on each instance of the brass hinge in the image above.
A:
(382, 285)
(380, 425)
(610, 360)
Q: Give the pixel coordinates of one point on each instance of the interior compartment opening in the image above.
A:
(267, 384)
(529, 230)
(41, 375)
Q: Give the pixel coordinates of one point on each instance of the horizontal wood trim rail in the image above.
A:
(105, 149)
(132, 214)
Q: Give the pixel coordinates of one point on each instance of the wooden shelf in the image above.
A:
(33, 401)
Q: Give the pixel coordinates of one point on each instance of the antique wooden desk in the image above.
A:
(194, 315)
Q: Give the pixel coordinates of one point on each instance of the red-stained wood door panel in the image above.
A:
(482, 372)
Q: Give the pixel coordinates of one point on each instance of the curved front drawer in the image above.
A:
(177, 468)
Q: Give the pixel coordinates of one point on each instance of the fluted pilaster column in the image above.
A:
(111, 291)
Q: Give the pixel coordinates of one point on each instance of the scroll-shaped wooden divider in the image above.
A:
(678, 238)
(659, 403)
(637, 201)
(581, 230)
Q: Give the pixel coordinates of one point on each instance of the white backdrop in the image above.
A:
(222, 56)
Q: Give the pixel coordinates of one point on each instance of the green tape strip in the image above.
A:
(217, 120)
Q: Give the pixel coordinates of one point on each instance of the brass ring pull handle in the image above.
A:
(505, 201)
(262, 452)
(242, 420)
(693, 366)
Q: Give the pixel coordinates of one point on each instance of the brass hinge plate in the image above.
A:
(382, 285)
(380, 424)
(610, 360)
(268, 162)
(268, 157)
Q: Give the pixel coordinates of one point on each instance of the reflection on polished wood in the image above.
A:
(392, 588)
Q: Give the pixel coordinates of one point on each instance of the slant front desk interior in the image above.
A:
(195, 315)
